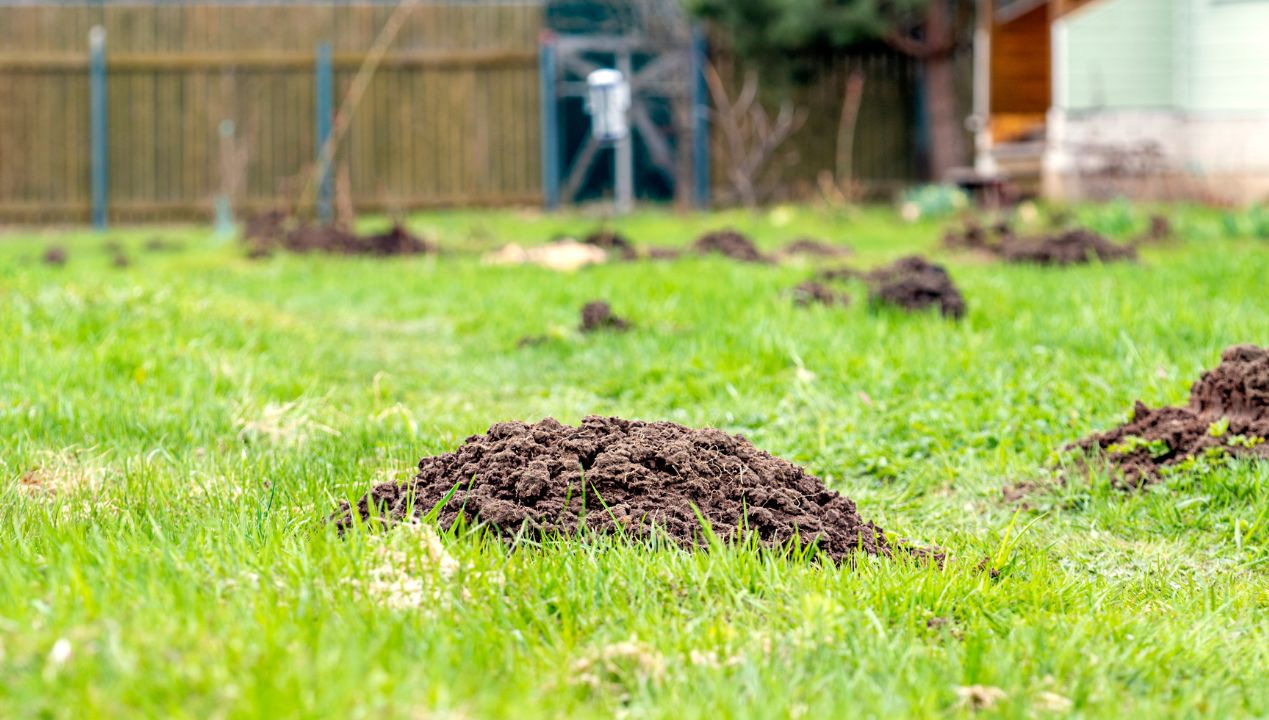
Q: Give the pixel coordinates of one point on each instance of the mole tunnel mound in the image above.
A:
(1077, 246)
(1227, 416)
(914, 283)
(611, 476)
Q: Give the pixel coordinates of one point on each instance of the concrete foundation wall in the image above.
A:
(1158, 154)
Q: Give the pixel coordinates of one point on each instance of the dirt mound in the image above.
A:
(1072, 247)
(597, 315)
(914, 283)
(1066, 247)
(637, 476)
(839, 274)
(811, 292)
(663, 253)
(815, 248)
(730, 243)
(615, 243)
(396, 240)
(55, 256)
(1227, 415)
(158, 244)
(975, 236)
(275, 230)
(1158, 231)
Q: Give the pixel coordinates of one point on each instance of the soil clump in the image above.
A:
(55, 256)
(813, 293)
(276, 230)
(730, 243)
(812, 247)
(597, 315)
(614, 476)
(1227, 416)
(614, 243)
(914, 283)
(1064, 247)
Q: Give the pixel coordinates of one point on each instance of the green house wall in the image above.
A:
(1118, 54)
(1196, 55)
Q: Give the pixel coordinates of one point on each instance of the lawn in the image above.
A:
(174, 434)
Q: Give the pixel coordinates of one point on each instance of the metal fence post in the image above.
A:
(550, 122)
(700, 119)
(97, 124)
(325, 109)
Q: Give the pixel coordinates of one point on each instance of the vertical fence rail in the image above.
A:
(700, 120)
(550, 122)
(324, 94)
(97, 124)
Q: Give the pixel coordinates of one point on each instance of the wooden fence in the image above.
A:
(451, 116)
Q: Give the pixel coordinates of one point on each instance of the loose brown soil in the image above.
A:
(815, 248)
(272, 231)
(663, 253)
(1065, 247)
(1072, 247)
(615, 243)
(120, 260)
(158, 244)
(612, 476)
(812, 293)
(597, 316)
(730, 243)
(1235, 392)
(1159, 231)
(54, 256)
(914, 283)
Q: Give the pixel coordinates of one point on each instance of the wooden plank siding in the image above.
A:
(1021, 78)
(450, 118)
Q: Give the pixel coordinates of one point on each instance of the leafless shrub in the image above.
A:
(752, 137)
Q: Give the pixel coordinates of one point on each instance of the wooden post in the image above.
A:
(984, 163)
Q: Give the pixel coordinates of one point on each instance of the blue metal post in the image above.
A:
(700, 120)
(97, 124)
(550, 123)
(325, 112)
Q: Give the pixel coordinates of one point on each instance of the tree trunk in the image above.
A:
(947, 147)
(946, 142)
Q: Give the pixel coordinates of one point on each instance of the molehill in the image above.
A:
(1227, 416)
(610, 475)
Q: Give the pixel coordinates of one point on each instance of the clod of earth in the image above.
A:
(54, 256)
(811, 292)
(613, 242)
(617, 476)
(1227, 416)
(597, 315)
(838, 274)
(1067, 247)
(269, 232)
(815, 248)
(663, 253)
(914, 283)
(730, 243)
(159, 244)
(1159, 230)
(120, 260)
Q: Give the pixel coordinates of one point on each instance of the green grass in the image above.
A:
(173, 434)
